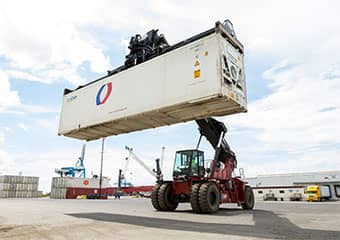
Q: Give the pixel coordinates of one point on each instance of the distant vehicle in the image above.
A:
(317, 193)
(145, 194)
(269, 197)
(295, 197)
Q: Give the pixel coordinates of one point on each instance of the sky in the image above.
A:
(292, 63)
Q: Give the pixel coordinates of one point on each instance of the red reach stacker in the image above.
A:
(205, 188)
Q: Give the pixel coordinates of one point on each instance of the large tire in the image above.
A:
(194, 196)
(209, 198)
(249, 200)
(154, 197)
(165, 198)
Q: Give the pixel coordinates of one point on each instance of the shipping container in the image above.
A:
(200, 77)
(19, 179)
(58, 193)
(20, 194)
(90, 193)
(73, 193)
(64, 182)
(61, 185)
(19, 187)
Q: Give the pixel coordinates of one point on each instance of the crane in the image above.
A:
(204, 188)
(157, 173)
(78, 170)
(138, 160)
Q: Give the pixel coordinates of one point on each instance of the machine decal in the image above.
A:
(100, 99)
(197, 70)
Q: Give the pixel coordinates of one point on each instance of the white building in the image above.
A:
(282, 186)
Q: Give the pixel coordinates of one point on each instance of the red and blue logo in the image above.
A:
(104, 93)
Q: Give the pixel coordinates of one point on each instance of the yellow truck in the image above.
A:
(317, 193)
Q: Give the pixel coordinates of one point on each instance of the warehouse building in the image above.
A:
(289, 186)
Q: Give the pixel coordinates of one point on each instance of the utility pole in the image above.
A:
(119, 180)
(101, 169)
(162, 158)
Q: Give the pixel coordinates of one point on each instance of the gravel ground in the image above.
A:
(135, 219)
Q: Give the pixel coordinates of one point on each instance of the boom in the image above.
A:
(214, 132)
(133, 155)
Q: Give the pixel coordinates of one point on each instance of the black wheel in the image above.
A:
(154, 197)
(194, 195)
(209, 198)
(249, 200)
(165, 198)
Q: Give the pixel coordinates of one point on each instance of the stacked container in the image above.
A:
(69, 187)
(19, 187)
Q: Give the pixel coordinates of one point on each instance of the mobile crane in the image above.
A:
(204, 188)
(122, 181)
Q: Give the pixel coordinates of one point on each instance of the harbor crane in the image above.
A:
(78, 170)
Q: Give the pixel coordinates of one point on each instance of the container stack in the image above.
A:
(19, 187)
(70, 188)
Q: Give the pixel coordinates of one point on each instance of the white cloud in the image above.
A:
(43, 41)
(44, 45)
(2, 137)
(22, 126)
(6, 162)
(50, 124)
(48, 74)
(303, 110)
(38, 109)
(314, 160)
(295, 127)
(8, 98)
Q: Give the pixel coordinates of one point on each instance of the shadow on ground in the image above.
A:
(267, 225)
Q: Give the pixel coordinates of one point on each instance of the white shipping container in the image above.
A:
(53, 193)
(202, 77)
(18, 187)
(4, 186)
(19, 179)
(20, 194)
(325, 191)
(70, 182)
(3, 179)
(58, 193)
(4, 194)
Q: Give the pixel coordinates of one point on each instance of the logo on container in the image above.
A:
(72, 98)
(103, 93)
(86, 182)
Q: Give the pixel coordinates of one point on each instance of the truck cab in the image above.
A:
(189, 163)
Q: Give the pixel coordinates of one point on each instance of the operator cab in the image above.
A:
(189, 163)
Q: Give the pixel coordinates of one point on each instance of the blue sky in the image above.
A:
(293, 80)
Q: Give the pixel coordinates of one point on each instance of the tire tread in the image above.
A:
(194, 198)
(154, 197)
